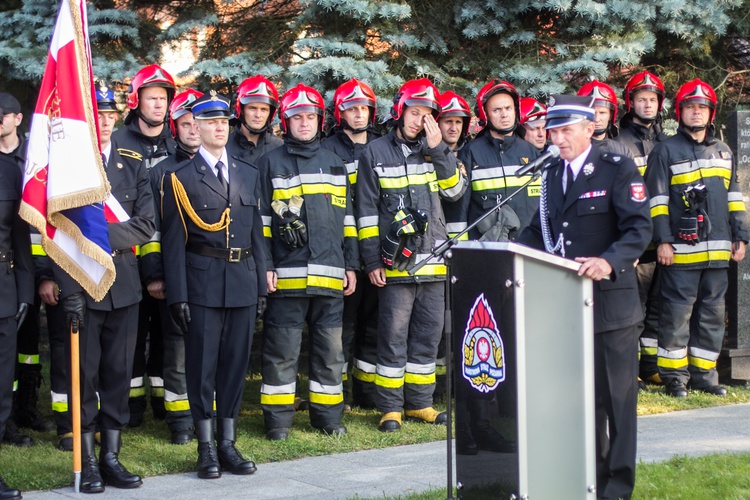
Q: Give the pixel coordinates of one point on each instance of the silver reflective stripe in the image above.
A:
(647, 342)
(136, 382)
(697, 352)
(170, 396)
(286, 182)
(703, 246)
(326, 389)
(349, 220)
(58, 398)
(156, 236)
(330, 271)
(156, 382)
(479, 174)
(323, 178)
(389, 372)
(352, 167)
(370, 220)
(267, 220)
(422, 369)
(278, 389)
(676, 354)
(692, 166)
(364, 366)
(735, 196)
(455, 227)
(36, 239)
(345, 368)
(291, 272)
(659, 200)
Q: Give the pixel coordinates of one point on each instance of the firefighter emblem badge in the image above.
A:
(484, 354)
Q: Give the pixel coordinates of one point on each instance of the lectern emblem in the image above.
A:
(483, 362)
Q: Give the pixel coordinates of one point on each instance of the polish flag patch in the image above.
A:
(638, 192)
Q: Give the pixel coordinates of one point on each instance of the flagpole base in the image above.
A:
(76, 482)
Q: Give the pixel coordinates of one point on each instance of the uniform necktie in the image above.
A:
(220, 175)
(570, 179)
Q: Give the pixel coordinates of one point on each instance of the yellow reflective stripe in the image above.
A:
(659, 210)
(672, 363)
(344, 376)
(60, 407)
(428, 270)
(702, 173)
(642, 170)
(285, 194)
(487, 184)
(182, 405)
(350, 232)
(37, 250)
(419, 379)
(291, 283)
(28, 359)
(393, 182)
(137, 250)
(277, 399)
(363, 376)
(513, 181)
(157, 392)
(451, 181)
(151, 247)
(136, 392)
(267, 232)
(464, 237)
(648, 351)
(696, 257)
(736, 206)
(325, 282)
(389, 383)
(369, 232)
(353, 178)
(702, 363)
(440, 370)
(326, 399)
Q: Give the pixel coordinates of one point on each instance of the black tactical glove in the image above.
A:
(390, 249)
(74, 307)
(293, 230)
(181, 315)
(408, 255)
(23, 309)
(689, 226)
(262, 304)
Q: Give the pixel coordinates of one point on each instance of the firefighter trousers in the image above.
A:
(410, 324)
(649, 293)
(283, 324)
(691, 324)
(365, 344)
(176, 402)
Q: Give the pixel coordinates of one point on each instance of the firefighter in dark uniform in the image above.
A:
(313, 259)
(605, 120)
(595, 209)
(176, 404)
(699, 225)
(16, 287)
(254, 108)
(215, 271)
(533, 120)
(146, 140)
(492, 159)
(640, 132)
(401, 180)
(109, 327)
(354, 112)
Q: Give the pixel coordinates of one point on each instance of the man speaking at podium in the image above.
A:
(594, 209)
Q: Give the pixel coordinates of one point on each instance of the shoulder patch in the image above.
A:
(638, 192)
(612, 158)
(129, 153)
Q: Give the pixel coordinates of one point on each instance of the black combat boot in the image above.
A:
(229, 457)
(91, 477)
(8, 493)
(208, 461)
(15, 438)
(485, 436)
(114, 473)
(26, 398)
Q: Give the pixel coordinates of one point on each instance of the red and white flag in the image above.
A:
(64, 181)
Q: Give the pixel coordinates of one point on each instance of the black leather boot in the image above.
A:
(91, 478)
(229, 457)
(208, 461)
(485, 436)
(114, 473)
(8, 493)
(15, 438)
(26, 398)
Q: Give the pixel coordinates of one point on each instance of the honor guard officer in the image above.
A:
(699, 225)
(640, 132)
(145, 141)
(533, 120)
(212, 234)
(109, 327)
(354, 112)
(16, 287)
(254, 108)
(594, 209)
(402, 178)
(605, 120)
(176, 405)
(313, 259)
(493, 158)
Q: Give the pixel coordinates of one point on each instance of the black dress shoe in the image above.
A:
(716, 390)
(676, 389)
(183, 436)
(280, 434)
(208, 462)
(8, 493)
(232, 461)
(333, 430)
(15, 438)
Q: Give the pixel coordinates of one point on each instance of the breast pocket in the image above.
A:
(595, 214)
(248, 204)
(127, 198)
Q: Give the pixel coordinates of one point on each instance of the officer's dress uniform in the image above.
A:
(310, 281)
(218, 273)
(360, 308)
(605, 214)
(393, 175)
(640, 141)
(110, 326)
(491, 165)
(691, 319)
(135, 148)
(176, 402)
(248, 151)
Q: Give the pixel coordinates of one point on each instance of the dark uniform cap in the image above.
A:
(211, 105)
(105, 98)
(8, 104)
(569, 109)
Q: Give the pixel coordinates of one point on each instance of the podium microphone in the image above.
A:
(552, 152)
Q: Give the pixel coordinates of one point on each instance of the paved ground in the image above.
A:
(406, 469)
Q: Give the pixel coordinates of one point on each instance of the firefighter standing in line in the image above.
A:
(313, 258)
(354, 112)
(146, 140)
(176, 404)
(401, 180)
(699, 225)
(215, 281)
(640, 131)
(605, 121)
(533, 120)
(255, 106)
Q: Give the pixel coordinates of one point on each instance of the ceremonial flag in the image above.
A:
(64, 180)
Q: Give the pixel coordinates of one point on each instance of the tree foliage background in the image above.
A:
(541, 46)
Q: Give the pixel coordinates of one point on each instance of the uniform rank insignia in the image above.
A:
(638, 192)
(484, 354)
(593, 194)
(524, 160)
(119, 165)
(588, 169)
(726, 155)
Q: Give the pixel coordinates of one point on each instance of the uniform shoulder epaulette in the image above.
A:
(613, 158)
(129, 153)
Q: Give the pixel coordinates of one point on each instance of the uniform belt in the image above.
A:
(228, 254)
(6, 256)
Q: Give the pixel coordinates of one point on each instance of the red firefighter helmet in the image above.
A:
(452, 104)
(643, 81)
(353, 93)
(696, 91)
(603, 95)
(257, 88)
(180, 106)
(532, 110)
(420, 92)
(149, 76)
(493, 87)
(301, 99)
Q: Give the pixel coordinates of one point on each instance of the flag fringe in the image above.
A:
(68, 201)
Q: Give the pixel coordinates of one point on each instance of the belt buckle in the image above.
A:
(234, 254)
